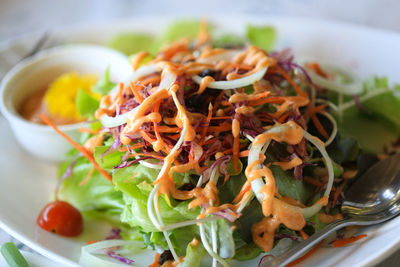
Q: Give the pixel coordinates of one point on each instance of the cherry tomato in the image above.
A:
(61, 218)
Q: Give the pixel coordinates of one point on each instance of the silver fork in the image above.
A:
(39, 45)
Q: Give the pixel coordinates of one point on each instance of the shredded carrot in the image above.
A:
(230, 150)
(319, 108)
(155, 125)
(225, 127)
(174, 49)
(78, 147)
(221, 118)
(91, 242)
(226, 178)
(312, 181)
(166, 129)
(245, 188)
(319, 126)
(138, 58)
(204, 130)
(202, 36)
(218, 100)
(284, 116)
(175, 136)
(156, 260)
(152, 79)
(308, 254)
(236, 151)
(90, 173)
(210, 141)
(312, 111)
(303, 234)
(347, 241)
(146, 137)
(244, 153)
(338, 191)
(87, 130)
(272, 100)
(292, 83)
(135, 92)
(134, 146)
(316, 68)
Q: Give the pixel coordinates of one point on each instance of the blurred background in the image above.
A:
(22, 16)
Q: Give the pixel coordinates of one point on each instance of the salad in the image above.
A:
(221, 148)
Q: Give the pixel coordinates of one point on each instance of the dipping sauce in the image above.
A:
(57, 101)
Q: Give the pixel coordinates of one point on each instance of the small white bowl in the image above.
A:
(37, 72)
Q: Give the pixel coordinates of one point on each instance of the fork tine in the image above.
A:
(38, 45)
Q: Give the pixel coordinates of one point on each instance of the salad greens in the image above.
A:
(367, 124)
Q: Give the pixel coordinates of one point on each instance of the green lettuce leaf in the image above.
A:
(86, 104)
(372, 132)
(131, 43)
(262, 36)
(104, 85)
(288, 186)
(95, 194)
(181, 29)
(228, 40)
(247, 252)
(135, 182)
(178, 30)
(107, 160)
(194, 254)
(377, 124)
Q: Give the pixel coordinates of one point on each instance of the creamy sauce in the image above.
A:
(135, 62)
(263, 232)
(204, 83)
(325, 218)
(242, 97)
(94, 141)
(33, 106)
(195, 242)
(235, 128)
(133, 122)
(287, 165)
(245, 110)
(291, 135)
(276, 211)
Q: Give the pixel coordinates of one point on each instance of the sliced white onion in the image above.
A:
(363, 98)
(352, 86)
(143, 71)
(88, 259)
(242, 82)
(257, 184)
(228, 56)
(208, 247)
(167, 81)
(330, 104)
(110, 122)
(334, 129)
(140, 72)
(150, 165)
(310, 211)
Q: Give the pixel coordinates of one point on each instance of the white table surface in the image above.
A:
(22, 16)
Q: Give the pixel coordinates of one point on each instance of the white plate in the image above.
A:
(27, 184)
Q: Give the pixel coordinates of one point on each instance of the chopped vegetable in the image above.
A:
(12, 255)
